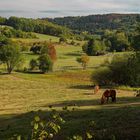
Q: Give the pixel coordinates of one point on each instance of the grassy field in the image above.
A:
(66, 58)
(23, 95)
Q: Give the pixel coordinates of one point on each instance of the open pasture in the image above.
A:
(23, 93)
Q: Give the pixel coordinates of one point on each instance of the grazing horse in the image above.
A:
(137, 94)
(96, 89)
(108, 93)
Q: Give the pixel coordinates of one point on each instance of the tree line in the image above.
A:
(96, 24)
(112, 41)
(36, 25)
(13, 33)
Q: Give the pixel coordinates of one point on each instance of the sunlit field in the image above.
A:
(23, 93)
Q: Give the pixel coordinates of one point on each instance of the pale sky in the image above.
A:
(54, 8)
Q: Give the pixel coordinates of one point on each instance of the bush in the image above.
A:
(102, 76)
(36, 48)
(62, 39)
(123, 70)
(84, 60)
(33, 64)
(72, 42)
(45, 63)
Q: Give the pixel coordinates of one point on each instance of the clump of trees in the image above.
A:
(44, 47)
(47, 57)
(42, 26)
(110, 41)
(95, 47)
(13, 33)
(10, 54)
(116, 41)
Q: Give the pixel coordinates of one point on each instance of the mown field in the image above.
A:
(23, 95)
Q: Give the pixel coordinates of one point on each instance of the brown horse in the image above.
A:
(108, 93)
(96, 89)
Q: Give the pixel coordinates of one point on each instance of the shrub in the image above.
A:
(51, 128)
(62, 39)
(84, 60)
(102, 76)
(123, 70)
(72, 42)
(45, 63)
(36, 48)
(33, 64)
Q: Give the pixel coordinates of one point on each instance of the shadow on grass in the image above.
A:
(4, 73)
(86, 87)
(30, 53)
(71, 68)
(90, 87)
(73, 54)
(33, 72)
(30, 72)
(121, 121)
(96, 102)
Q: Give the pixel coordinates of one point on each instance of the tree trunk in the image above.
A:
(9, 68)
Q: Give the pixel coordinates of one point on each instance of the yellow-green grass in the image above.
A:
(66, 58)
(40, 37)
(48, 38)
(22, 93)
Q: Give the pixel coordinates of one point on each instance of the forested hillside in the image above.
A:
(97, 23)
(36, 25)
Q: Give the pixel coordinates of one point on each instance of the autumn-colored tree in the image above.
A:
(52, 52)
(48, 48)
(84, 60)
